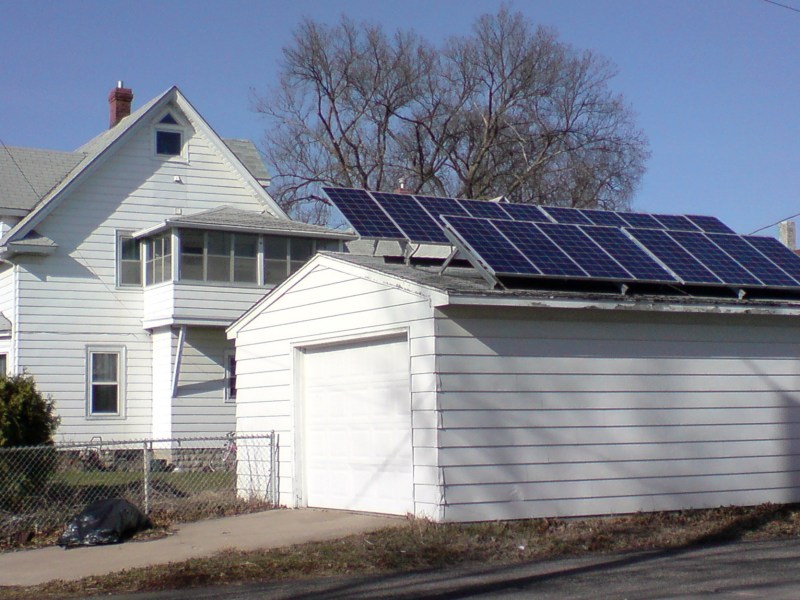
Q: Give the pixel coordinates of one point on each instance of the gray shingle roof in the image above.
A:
(246, 151)
(28, 174)
(226, 217)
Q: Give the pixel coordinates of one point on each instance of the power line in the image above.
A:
(16, 164)
(786, 6)
(776, 222)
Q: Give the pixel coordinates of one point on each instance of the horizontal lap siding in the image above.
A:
(70, 300)
(548, 413)
(325, 304)
(200, 407)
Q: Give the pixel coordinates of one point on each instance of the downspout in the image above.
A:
(178, 356)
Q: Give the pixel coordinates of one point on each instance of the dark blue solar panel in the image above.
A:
(414, 220)
(714, 259)
(710, 224)
(668, 251)
(604, 217)
(676, 222)
(641, 220)
(568, 216)
(484, 240)
(584, 251)
(526, 212)
(366, 217)
(637, 262)
(485, 209)
(442, 206)
(777, 253)
(539, 249)
(767, 271)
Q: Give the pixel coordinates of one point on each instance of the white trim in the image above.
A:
(121, 353)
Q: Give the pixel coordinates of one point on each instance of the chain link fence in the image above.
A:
(172, 480)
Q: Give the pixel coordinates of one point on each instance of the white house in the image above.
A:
(123, 263)
(434, 393)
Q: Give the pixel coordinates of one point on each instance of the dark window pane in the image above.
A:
(104, 398)
(219, 268)
(192, 267)
(302, 249)
(104, 367)
(129, 248)
(168, 143)
(245, 270)
(245, 245)
(192, 242)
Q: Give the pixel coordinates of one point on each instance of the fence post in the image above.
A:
(273, 467)
(148, 451)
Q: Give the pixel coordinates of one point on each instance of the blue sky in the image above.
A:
(715, 84)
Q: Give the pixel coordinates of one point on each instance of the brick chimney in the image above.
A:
(119, 104)
(401, 187)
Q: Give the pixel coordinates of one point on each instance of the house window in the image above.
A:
(129, 264)
(283, 255)
(3, 365)
(219, 256)
(168, 143)
(169, 138)
(158, 267)
(230, 377)
(105, 381)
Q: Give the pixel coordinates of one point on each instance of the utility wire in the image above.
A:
(16, 164)
(786, 6)
(776, 222)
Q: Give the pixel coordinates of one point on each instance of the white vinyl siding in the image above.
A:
(341, 305)
(548, 413)
(70, 300)
(199, 408)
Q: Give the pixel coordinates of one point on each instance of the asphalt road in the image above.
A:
(735, 571)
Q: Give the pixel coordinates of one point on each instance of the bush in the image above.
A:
(26, 419)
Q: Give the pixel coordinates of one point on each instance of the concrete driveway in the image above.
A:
(270, 529)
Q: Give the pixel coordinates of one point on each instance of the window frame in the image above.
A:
(120, 352)
(178, 127)
(122, 236)
(230, 374)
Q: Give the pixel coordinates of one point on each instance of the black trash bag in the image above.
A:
(104, 522)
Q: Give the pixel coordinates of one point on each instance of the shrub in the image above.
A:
(26, 419)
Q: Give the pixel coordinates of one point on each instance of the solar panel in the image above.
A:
(676, 222)
(710, 224)
(627, 253)
(488, 210)
(487, 243)
(566, 216)
(366, 217)
(526, 212)
(779, 254)
(714, 259)
(604, 217)
(585, 251)
(540, 249)
(442, 206)
(669, 252)
(641, 220)
(412, 219)
(738, 248)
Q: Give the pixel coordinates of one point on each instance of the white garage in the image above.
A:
(397, 388)
(356, 426)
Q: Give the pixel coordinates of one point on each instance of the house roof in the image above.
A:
(247, 153)
(61, 170)
(28, 174)
(236, 219)
(465, 287)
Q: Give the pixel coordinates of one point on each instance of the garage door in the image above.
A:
(357, 427)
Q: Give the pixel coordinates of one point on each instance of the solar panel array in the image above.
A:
(515, 240)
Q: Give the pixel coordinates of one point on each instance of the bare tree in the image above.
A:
(507, 110)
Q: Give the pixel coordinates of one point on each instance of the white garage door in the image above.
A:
(357, 427)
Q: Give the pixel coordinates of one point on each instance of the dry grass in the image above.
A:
(421, 544)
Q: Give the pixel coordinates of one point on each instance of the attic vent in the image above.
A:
(168, 119)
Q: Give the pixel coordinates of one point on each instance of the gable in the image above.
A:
(110, 143)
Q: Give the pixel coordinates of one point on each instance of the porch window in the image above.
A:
(159, 259)
(129, 261)
(219, 256)
(230, 377)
